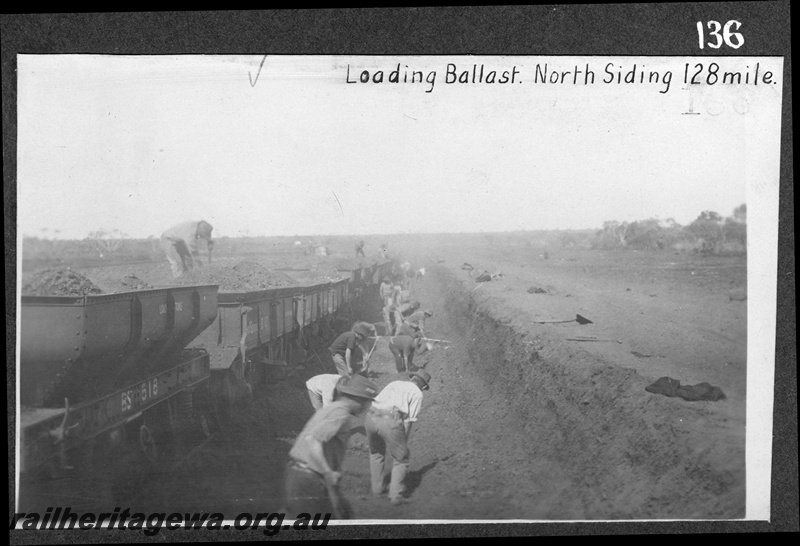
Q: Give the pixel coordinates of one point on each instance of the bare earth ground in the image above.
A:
(520, 423)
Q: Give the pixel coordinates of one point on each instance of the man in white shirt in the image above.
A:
(321, 389)
(180, 244)
(388, 426)
(315, 467)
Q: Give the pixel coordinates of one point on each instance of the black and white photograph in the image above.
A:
(268, 291)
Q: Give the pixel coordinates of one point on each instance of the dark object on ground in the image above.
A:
(484, 277)
(59, 281)
(738, 294)
(467, 267)
(536, 290)
(578, 318)
(672, 387)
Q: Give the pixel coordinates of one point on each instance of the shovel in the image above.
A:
(592, 339)
(435, 340)
(366, 359)
(578, 318)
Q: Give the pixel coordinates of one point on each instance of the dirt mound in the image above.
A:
(244, 275)
(289, 403)
(58, 281)
(128, 283)
(319, 274)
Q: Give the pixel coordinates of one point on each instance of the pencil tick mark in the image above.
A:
(250, 77)
(337, 200)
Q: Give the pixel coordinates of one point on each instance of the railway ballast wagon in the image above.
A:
(90, 365)
(93, 367)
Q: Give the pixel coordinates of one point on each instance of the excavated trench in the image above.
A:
(567, 435)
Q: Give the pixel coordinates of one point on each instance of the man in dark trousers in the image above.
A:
(388, 426)
(344, 349)
(415, 323)
(315, 466)
(403, 347)
(180, 244)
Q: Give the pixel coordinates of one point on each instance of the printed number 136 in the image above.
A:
(731, 39)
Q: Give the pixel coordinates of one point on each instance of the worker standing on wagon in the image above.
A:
(321, 389)
(315, 468)
(345, 346)
(388, 427)
(180, 244)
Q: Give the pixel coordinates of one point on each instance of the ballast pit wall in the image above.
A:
(619, 452)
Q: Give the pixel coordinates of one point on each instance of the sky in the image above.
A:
(300, 146)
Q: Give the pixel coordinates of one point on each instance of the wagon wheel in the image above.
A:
(148, 443)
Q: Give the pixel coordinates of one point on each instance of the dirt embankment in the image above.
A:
(590, 441)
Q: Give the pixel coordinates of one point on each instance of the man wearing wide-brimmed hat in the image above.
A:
(315, 468)
(344, 347)
(388, 426)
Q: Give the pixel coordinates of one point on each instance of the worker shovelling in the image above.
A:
(180, 244)
(314, 471)
(345, 400)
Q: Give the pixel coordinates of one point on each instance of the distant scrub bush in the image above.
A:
(709, 233)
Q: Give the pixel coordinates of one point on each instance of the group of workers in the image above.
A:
(404, 318)
(340, 401)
